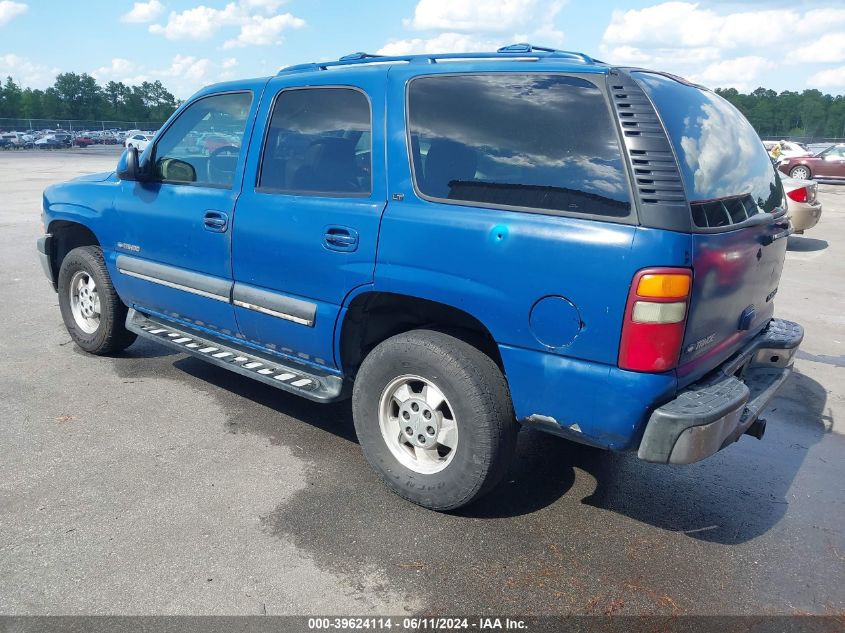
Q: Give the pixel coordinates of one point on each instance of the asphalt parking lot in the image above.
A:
(152, 483)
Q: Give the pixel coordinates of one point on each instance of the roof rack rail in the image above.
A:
(513, 50)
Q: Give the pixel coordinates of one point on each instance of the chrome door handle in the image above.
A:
(340, 238)
(215, 221)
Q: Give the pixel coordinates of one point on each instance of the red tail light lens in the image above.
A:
(655, 319)
(799, 195)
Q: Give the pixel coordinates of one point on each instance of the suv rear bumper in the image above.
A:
(715, 412)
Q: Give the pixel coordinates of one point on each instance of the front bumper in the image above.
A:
(44, 245)
(715, 412)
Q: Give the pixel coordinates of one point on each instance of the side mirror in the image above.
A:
(129, 166)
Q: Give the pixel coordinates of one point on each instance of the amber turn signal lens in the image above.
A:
(664, 286)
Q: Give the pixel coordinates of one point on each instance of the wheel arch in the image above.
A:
(67, 235)
(372, 316)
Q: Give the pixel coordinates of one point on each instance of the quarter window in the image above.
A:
(318, 143)
(529, 141)
(203, 145)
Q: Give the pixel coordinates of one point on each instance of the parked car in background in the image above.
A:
(788, 149)
(18, 139)
(139, 141)
(83, 141)
(827, 164)
(51, 141)
(65, 138)
(6, 143)
(803, 205)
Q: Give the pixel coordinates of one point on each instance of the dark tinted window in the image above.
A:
(203, 144)
(318, 143)
(719, 153)
(529, 140)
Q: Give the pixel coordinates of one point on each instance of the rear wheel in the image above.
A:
(434, 418)
(93, 314)
(801, 172)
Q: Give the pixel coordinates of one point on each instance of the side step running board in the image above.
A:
(287, 376)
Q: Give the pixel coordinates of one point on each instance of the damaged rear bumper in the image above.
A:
(715, 412)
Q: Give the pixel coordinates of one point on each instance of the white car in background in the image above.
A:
(803, 207)
(138, 140)
(788, 149)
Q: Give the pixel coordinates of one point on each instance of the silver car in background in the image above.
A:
(802, 203)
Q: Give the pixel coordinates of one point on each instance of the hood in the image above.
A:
(99, 177)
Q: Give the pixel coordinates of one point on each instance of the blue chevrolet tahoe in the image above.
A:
(463, 243)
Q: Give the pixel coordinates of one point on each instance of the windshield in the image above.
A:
(719, 153)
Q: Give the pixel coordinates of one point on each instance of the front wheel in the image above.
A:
(93, 314)
(434, 418)
(801, 172)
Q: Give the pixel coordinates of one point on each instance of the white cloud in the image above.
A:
(722, 48)
(27, 72)
(261, 31)
(478, 15)
(443, 43)
(183, 76)
(199, 23)
(675, 23)
(120, 69)
(460, 26)
(202, 23)
(264, 5)
(10, 10)
(143, 12)
(830, 78)
(830, 47)
(740, 73)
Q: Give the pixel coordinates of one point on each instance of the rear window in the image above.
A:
(526, 141)
(727, 172)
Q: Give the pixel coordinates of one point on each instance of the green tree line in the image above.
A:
(809, 113)
(74, 96)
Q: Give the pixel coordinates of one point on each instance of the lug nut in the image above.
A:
(415, 407)
(409, 431)
(429, 430)
(427, 414)
(406, 415)
(421, 438)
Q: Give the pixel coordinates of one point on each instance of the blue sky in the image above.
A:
(189, 43)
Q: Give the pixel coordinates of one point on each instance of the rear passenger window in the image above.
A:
(318, 142)
(528, 141)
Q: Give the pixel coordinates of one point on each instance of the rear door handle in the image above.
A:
(340, 238)
(216, 221)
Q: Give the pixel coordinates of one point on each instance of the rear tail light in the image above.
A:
(799, 195)
(655, 319)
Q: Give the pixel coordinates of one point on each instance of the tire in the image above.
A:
(476, 403)
(801, 172)
(96, 321)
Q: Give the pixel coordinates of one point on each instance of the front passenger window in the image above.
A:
(203, 144)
